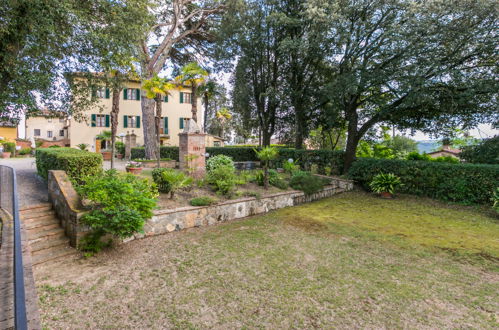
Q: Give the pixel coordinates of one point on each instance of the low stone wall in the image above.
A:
(67, 205)
(162, 163)
(168, 220)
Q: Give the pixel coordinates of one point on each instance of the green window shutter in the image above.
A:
(137, 120)
(107, 121)
(181, 97)
(107, 93)
(138, 93)
(166, 98)
(165, 119)
(181, 123)
(125, 94)
(94, 93)
(94, 120)
(125, 121)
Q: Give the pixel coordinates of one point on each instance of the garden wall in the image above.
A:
(168, 220)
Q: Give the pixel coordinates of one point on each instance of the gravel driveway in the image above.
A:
(31, 188)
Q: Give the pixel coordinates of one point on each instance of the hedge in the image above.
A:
(487, 152)
(77, 163)
(305, 158)
(461, 183)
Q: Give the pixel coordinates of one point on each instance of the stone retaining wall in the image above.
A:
(168, 220)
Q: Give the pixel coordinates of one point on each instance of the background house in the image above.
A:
(446, 150)
(48, 126)
(8, 131)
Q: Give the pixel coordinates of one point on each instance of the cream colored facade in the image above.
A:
(214, 141)
(47, 126)
(175, 109)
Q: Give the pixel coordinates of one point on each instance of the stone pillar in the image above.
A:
(192, 150)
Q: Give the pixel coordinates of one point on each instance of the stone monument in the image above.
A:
(192, 150)
(130, 142)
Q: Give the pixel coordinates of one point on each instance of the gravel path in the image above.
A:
(31, 188)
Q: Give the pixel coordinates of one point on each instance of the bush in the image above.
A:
(385, 183)
(446, 159)
(25, 151)
(487, 152)
(417, 156)
(165, 152)
(495, 200)
(274, 179)
(323, 158)
(120, 147)
(463, 183)
(202, 201)
(78, 164)
(290, 167)
(306, 182)
(220, 160)
(170, 180)
(223, 178)
(120, 205)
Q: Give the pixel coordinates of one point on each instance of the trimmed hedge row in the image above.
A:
(462, 183)
(323, 158)
(77, 163)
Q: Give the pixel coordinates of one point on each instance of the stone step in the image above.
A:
(44, 232)
(34, 215)
(56, 252)
(40, 221)
(36, 208)
(43, 244)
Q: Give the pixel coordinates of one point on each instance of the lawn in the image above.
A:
(353, 260)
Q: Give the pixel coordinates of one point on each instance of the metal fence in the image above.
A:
(10, 204)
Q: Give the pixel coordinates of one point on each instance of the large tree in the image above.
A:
(182, 28)
(419, 65)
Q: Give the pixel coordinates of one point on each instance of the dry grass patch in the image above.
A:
(333, 269)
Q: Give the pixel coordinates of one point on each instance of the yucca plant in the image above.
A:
(266, 155)
(495, 200)
(385, 184)
(176, 180)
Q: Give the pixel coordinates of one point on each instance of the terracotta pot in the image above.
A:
(119, 156)
(106, 155)
(6, 155)
(134, 170)
(386, 195)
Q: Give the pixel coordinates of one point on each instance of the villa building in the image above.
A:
(48, 125)
(176, 109)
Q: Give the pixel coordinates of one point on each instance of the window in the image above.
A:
(101, 93)
(185, 97)
(181, 123)
(216, 143)
(61, 132)
(37, 132)
(100, 120)
(164, 129)
(49, 134)
(131, 94)
(131, 121)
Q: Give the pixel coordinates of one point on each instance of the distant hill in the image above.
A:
(427, 146)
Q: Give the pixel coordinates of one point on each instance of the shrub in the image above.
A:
(290, 166)
(322, 158)
(306, 182)
(170, 180)
(25, 151)
(82, 146)
(202, 201)
(487, 152)
(78, 164)
(120, 147)
(220, 160)
(223, 178)
(463, 183)
(417, 156)
(274, 179)
(120, 205)
(385, 183)
(266, 155)
(9, 147)
(446, 159)
(495, 200)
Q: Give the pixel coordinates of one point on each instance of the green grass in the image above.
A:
(351, 261)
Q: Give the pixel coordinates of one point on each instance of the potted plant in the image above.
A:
(8, 149)
(105, 136)
(134, 167)
(385, 184)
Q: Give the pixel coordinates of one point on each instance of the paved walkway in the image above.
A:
(32, 190)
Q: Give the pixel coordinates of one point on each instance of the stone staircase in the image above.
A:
(46, 237)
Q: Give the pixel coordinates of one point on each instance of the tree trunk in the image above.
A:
(266, 136)
(114, 122)
(158, 128)
(194, 103)
(205, 115)
(148, 124)
(299, 126)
